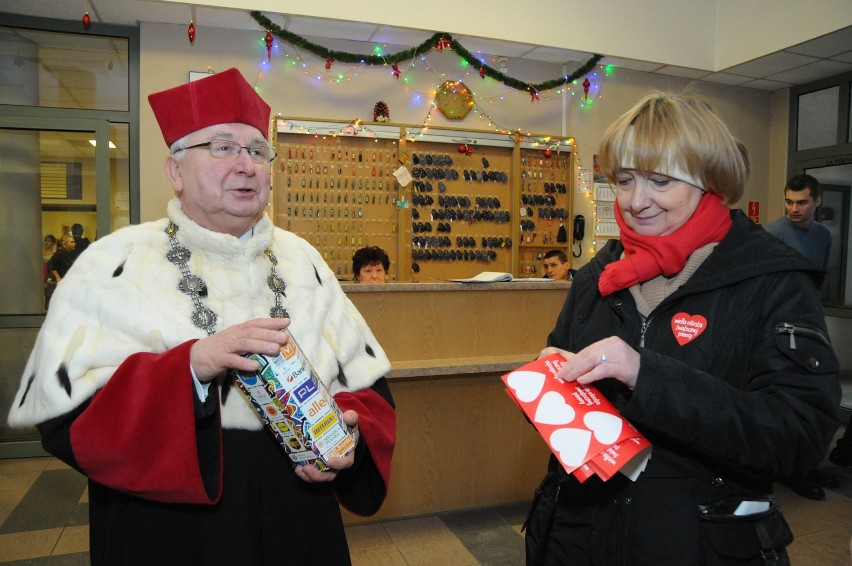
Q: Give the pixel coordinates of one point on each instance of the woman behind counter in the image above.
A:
(751, 396)
(370, 265)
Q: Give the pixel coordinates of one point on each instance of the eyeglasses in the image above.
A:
(224, 149)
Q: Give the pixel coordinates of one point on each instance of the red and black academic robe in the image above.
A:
(169, 485)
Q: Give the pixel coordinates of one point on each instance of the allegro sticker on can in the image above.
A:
(296, 407)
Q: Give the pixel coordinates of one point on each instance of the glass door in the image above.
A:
(61, 187)
(834, 213)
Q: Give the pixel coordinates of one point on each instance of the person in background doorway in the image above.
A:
(370, 265)
(80, 242)
(64, 257)
(130, 380)
(47, 251)
(707, 335)
(798, 229)
(557, 266)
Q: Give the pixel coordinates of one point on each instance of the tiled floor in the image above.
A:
(44, 521)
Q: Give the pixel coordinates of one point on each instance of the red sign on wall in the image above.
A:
(754, 211)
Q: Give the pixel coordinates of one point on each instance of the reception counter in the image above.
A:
(461, 441)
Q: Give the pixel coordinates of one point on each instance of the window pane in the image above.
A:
(119, 171)
(68, 198)
(817, 118)
(63, 70)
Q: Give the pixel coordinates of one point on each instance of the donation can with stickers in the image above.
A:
(296, 407)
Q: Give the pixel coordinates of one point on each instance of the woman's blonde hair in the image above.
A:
(679, 136)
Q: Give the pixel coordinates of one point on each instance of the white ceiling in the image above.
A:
(818, 58)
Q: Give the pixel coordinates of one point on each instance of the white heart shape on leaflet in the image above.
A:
(527, 384)
(553, 410)
(571, 445)
(606, 426)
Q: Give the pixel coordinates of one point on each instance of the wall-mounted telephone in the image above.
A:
(579, 234)
(579, 227)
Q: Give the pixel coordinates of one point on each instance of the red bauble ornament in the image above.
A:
(87, 21)
(548, 152)
(462, 148)
(269, 44)
(190, 32)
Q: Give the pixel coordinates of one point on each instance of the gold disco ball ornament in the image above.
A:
(454, 100)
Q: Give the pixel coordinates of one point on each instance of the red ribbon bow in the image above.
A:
(442, 43)
(533, 95)
(395, 68)
(328, 63)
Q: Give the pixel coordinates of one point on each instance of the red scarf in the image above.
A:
(646, 257)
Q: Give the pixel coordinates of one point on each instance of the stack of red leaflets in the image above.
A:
(582, 428)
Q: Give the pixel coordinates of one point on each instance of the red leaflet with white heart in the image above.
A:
(581, 427)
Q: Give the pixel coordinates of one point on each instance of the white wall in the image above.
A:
(709, 34)
(758, 118)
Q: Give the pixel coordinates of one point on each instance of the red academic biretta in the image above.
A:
(221, 98)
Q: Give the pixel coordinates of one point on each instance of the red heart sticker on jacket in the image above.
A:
(687, 327)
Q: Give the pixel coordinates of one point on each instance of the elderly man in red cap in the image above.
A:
(130, 381)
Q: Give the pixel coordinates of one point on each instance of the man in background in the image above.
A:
(80, 242)
(556, 266)
(798, 229)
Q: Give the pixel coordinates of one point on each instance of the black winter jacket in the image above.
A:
(754, 397)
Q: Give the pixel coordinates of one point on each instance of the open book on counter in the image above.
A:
(497, 277)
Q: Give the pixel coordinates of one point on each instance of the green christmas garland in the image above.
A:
(424, 47)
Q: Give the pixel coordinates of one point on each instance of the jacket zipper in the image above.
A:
(646, 322)
(792, 330)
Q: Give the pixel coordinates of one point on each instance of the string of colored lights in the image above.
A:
(438, 41)
(313, 71)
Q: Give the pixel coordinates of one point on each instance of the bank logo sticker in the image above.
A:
(305, 390)
(288, 350)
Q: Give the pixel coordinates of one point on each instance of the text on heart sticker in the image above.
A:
(687, 327)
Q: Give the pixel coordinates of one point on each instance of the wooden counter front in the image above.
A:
(461, 441)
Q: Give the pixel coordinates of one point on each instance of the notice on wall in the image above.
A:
(754, 211)
(584, 180)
